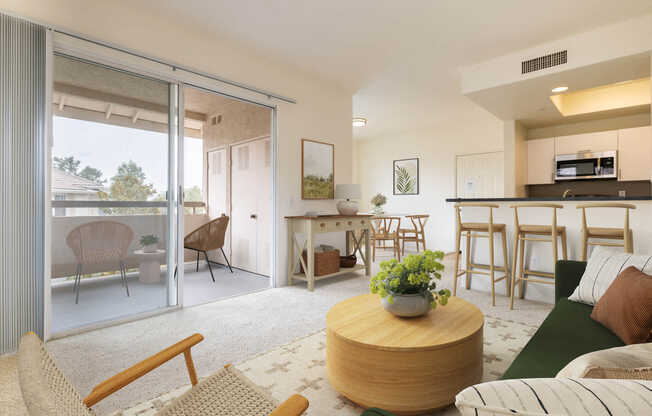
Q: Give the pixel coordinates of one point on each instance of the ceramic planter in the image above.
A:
(150, 248)
(407, 306)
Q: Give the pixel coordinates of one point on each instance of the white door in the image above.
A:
(480, 175)
(251, 205)
(218, 185)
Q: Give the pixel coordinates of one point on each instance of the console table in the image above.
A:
(357, 228)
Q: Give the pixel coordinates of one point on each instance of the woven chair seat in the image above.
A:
(226, 393)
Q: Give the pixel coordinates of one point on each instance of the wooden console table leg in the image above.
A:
(310, 267)
(348, 242)
(367, 252)
(290, 254)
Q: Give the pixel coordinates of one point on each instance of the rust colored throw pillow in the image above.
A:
(626, 306)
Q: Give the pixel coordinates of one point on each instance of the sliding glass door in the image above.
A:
(114, 164)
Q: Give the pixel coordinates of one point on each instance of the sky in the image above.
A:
(105, 147)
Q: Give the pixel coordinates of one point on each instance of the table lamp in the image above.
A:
(348, 194)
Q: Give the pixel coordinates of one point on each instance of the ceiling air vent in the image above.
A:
(543, 62)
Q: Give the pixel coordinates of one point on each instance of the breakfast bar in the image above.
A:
(540, 254)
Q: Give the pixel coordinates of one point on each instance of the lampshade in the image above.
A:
(348, 191)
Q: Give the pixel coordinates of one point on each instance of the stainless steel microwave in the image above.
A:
(586, 165)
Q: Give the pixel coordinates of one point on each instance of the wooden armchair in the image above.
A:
(47, 392)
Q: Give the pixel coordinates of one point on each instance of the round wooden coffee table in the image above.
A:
(403, 365)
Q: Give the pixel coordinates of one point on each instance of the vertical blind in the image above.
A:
(22, 191)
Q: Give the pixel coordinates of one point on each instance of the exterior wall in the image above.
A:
(240, 120)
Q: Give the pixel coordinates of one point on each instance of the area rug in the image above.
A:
(300, 367)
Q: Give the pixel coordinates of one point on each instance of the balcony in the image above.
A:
(102, 294)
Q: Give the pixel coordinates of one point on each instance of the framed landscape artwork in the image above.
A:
(317, 170)
(406, 177)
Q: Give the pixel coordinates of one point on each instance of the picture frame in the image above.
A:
(406, 176)
(317, 169)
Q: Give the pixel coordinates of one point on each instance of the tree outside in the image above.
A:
(71, 165)
(129, 184)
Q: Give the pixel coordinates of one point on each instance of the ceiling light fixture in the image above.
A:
(559, 89)
(359, 122)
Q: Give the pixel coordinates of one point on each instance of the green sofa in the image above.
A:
(566, 333)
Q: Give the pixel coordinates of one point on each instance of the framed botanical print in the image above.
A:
(406, 177)
(317, 170)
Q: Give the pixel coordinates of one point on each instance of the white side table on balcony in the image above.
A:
(149, 270)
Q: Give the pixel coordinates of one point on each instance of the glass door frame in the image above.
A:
(115, 57)
(174, 203)
(211, 89)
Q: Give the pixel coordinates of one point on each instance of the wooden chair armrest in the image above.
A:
(294, 406)
(115, 383)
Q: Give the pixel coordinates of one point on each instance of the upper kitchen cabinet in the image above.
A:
(540, 161)
(635, 154)
(588, 142)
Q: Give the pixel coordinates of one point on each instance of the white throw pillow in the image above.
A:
(628, 362)
(557, 396)
(602, 269)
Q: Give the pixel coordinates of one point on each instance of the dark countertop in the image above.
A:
(554, 198)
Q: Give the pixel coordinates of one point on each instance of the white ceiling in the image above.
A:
(529, 101)
(399, 58)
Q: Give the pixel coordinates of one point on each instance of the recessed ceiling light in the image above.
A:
(359, 122)
(559, 89)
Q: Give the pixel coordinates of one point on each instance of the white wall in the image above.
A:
(473, 131)
(323, 109)
(605, 43)
(515, 136)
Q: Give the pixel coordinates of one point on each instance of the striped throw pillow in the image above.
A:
(628, 362)
(602, 269)
(557, 396)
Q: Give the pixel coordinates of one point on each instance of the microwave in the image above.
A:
(586, 165)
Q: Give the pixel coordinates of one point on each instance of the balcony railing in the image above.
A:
(63, 260)
(123, 204)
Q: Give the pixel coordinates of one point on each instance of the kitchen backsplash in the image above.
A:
(592, 188)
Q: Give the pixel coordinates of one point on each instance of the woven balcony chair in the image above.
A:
(209, 236)
(47, 392)
(100, 242)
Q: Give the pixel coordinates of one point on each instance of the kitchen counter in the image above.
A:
(554, 198)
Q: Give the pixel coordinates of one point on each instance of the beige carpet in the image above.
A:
(234, 330)
(300, 367)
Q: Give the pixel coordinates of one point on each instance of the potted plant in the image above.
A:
(378, 201)
(408, 289)
(149, 243)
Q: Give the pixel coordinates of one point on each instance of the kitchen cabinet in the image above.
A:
(540, 161)
(587, 142)
(635, 154)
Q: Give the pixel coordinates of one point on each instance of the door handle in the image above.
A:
(253, 216)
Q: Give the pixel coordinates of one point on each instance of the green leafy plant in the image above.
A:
(418, 273)
(405, 183)
(148, 240)
(379, 200)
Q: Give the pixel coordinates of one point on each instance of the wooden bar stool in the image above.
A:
(525, 232)
(416, 234)
(473, 229)
(624, 234)
(385, 229)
